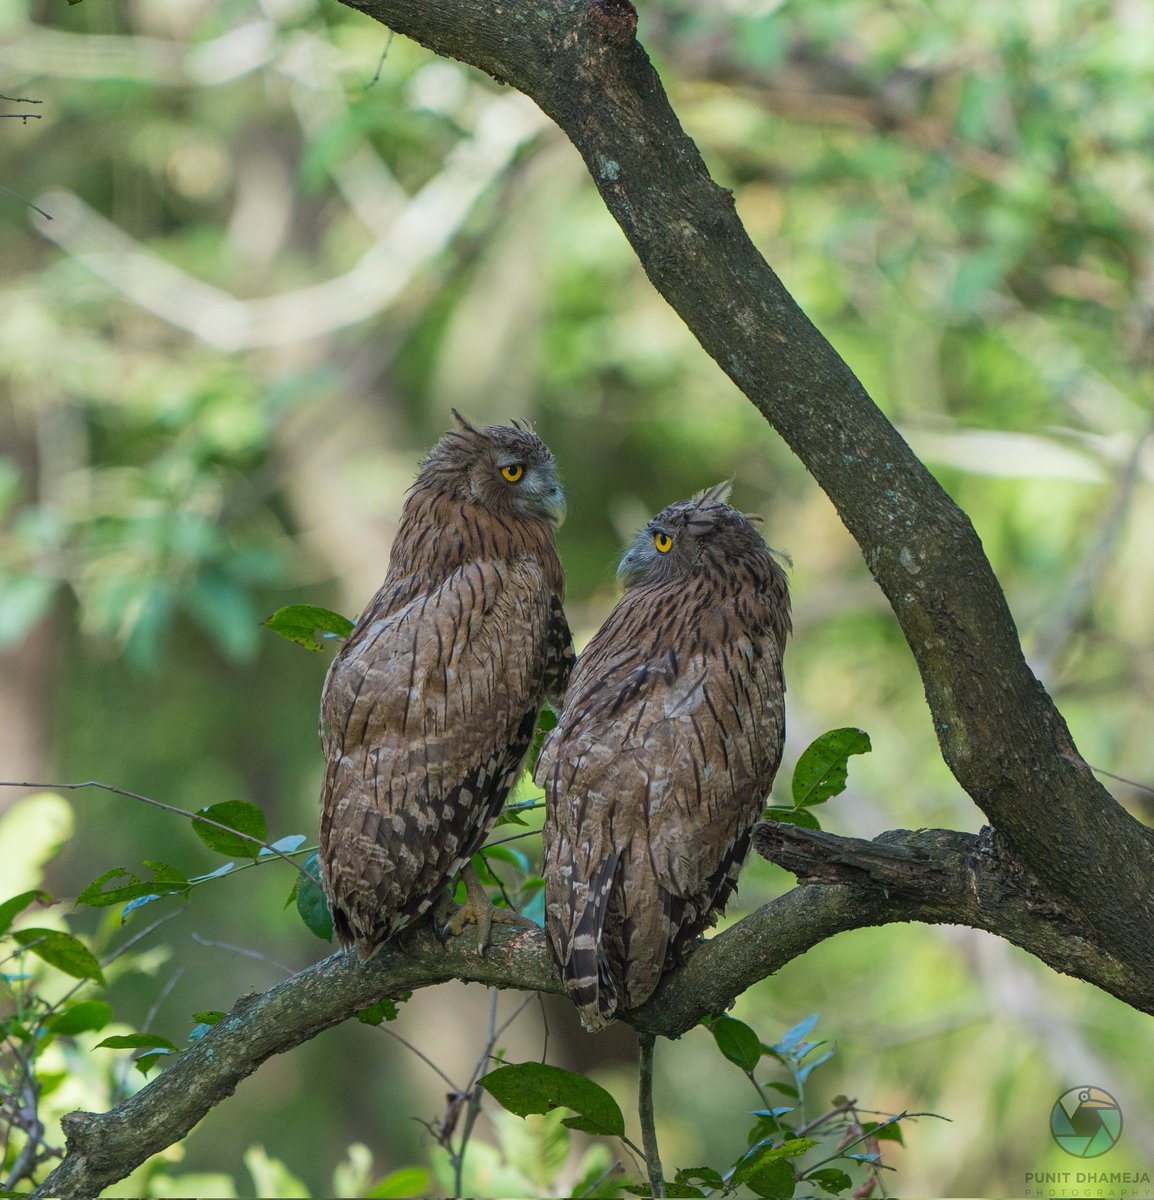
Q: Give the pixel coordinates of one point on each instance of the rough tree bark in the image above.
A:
(1067, 876)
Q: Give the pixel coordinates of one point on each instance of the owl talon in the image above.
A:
(479, 910)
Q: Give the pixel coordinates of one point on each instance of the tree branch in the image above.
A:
(934, 876)
(998, 730)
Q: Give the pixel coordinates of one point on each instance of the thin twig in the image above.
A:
(381, 65)
(645, 1113)
(169, 808)
(121, 1089)
(257, 954)
(473, 1106)
(16, 195)
(1142, 787)
(420, 1054)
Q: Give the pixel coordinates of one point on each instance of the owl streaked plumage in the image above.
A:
(431, 704)
(667, 744)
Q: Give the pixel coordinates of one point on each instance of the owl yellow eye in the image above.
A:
(513, 472)
(662, 541)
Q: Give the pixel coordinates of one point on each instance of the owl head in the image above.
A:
(687, 535)
(505, 468)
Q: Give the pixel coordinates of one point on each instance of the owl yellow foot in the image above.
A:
(479, 910)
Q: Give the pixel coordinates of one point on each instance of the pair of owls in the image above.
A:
(669, 734)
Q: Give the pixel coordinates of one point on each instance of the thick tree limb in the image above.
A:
(998, 730)
(934, 876)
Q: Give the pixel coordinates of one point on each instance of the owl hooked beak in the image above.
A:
(544, 496)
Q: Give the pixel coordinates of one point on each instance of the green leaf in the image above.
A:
(209, 1016)
(84, 1017)
(135, 1041)
(62, 951)
(149, 1059)
(791, 816)
(525, 1088)
(546, 721)
(297, 623)
(10, 908)
(238, 815)
(830, 1179)
(884, 1131)
(774, 1181)
(822, 769)
(408, 1181)
(736, 1041)
(311, 904)
(383, 1010)
(803, 1073)
(706, 1176)
(166, 881)
(508, 854)
(766, 1171)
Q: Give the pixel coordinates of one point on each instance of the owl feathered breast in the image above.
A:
(430, 706)
(667, 745)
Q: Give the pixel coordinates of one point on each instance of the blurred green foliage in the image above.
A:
(226, 345)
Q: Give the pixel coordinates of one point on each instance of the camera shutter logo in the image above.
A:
(1086, 1122)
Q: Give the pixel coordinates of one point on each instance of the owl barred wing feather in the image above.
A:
(668, 743)
(430, 706)
(443, 695)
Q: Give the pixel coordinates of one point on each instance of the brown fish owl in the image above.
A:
(431, 704)
(666, 748)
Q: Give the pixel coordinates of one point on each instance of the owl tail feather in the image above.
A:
(586, 972)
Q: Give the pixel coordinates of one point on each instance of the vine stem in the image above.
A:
(168, 808)
(645, 1113)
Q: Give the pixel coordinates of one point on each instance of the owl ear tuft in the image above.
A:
(719, 492)
(464, 425)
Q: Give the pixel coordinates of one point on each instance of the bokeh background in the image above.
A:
(255, 250)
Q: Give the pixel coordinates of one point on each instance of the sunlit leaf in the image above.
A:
(284, 845)
(224, 869)
(525, 1088)
(238, 815)
(822, 769)
(62, 951)
(408, 1181)
(790, 1039)
(298, 623)
(765, 1169)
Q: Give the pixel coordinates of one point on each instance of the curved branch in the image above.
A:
(998, 730)
(933, 876)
